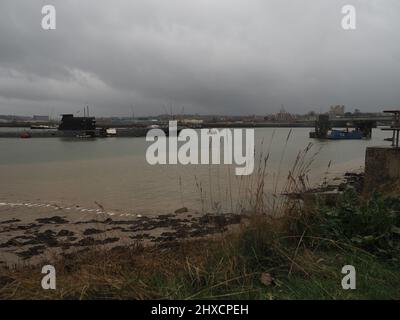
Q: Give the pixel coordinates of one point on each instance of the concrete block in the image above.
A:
(382, 169)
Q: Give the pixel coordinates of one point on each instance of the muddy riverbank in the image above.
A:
(31, 233)
(53, 231)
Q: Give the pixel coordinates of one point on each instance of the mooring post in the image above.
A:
(395, 127)
(382, 163)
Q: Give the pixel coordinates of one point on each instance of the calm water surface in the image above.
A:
(114, 171)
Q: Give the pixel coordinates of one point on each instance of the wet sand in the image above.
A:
(33, 233)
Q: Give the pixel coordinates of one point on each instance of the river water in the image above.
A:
(114, 173)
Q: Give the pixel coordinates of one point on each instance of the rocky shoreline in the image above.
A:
(31, 242)
(55, 230)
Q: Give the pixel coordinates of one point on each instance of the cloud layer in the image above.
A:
(210, 57)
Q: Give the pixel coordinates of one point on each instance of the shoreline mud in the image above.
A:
(31, 233)
(51, 231)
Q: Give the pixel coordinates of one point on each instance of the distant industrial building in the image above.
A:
(11, 118)
(283, 115)
(40, 118)
(192, 121)
(337, 110)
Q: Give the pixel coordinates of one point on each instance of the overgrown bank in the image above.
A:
(297, 256)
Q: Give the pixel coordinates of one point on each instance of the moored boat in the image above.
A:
(344, 135)
(43, 127)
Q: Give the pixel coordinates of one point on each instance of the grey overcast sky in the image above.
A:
(208, 56)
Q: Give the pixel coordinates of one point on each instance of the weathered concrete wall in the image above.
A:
(382, 169)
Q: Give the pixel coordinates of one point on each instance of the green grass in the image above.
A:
(303, 252)
(375, 280)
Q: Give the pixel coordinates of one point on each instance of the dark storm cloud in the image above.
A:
(225, 56)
